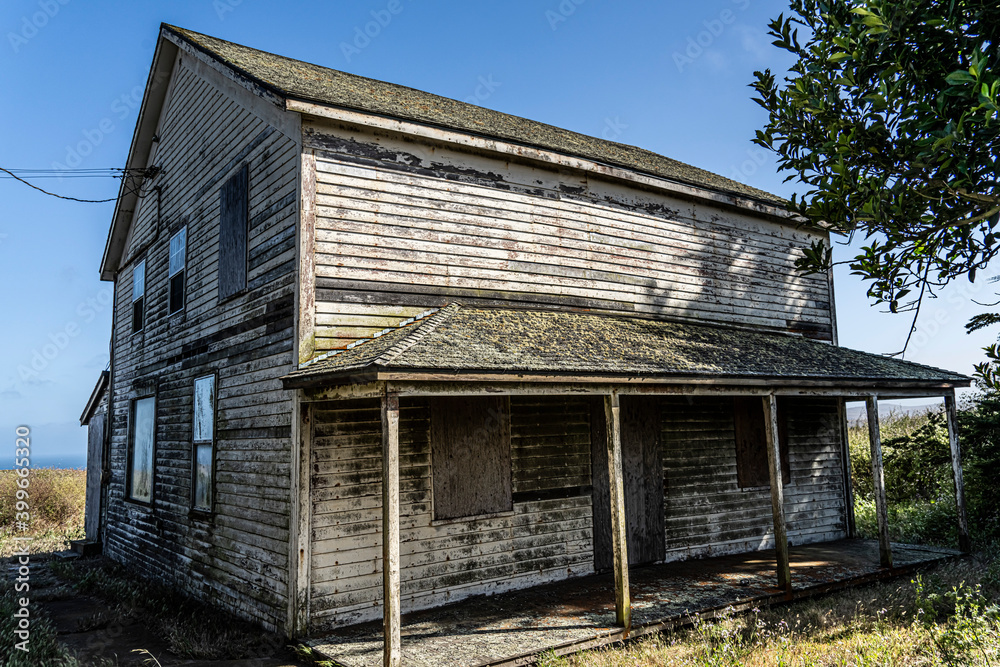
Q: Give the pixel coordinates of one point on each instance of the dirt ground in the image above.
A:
(99, 636)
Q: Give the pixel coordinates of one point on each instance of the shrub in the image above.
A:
(56, 497)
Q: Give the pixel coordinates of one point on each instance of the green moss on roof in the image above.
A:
(304, 81)
(490, 340)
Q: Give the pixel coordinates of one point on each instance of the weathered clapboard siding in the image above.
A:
(401, 227)
(547, 536)
(238, 557)
(708, 513)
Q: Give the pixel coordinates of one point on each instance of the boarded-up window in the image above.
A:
(178, 252)
(203, 431)
(143, 436)
(233, 234)
(751, 442)
(470, 456)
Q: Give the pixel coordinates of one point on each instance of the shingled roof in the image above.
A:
(294, 79)
(488, 340)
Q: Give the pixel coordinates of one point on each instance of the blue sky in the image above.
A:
(669, 77)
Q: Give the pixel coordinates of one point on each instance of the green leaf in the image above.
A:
(958, 77)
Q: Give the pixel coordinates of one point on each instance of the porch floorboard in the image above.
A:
(568, 616)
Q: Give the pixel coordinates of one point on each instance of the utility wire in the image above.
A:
(52, 194)
(76, 173)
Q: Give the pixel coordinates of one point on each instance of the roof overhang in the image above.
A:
(138, 154)
(428, 383)
(502, 350)
(95, 398)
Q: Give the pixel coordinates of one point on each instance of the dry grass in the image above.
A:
(881, 624)
(55, 505)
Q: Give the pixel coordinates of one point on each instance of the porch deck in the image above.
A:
(568, 616)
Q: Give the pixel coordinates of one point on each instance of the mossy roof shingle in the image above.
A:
(295, 79)
(489, 340)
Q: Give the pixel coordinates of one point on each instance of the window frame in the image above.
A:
(141, 299)
(507, 454)
(130, 454)
(195, 444)
(173, 273)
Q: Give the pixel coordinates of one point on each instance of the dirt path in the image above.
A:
(100, 636)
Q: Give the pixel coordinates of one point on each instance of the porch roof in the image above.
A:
(462, 340)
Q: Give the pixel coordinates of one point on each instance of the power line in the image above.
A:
(112, 172)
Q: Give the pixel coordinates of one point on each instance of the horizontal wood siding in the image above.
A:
(708, 513)
(400, 228)
(547, 536)
(238, 557)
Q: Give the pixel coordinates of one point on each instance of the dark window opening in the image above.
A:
(233, 203)
(751, 442)
(470, 456)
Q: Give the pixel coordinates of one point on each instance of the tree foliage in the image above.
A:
(890, 117)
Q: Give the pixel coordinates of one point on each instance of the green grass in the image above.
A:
(949, 616)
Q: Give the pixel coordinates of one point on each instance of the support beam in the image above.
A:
(623, 603)
(777, 492)
(964, 543)
(881, 509)
(845, 448)
(392, 655)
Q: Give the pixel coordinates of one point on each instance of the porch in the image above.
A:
(746, 431)
(575, 614)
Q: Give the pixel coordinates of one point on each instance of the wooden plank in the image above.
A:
(881, 508)
(623, 604)
(845, 453)
(392, 654)
(642, 470)
(964, 542)
(307, 259)
(95, 470)
(770, 406)
(470, 450)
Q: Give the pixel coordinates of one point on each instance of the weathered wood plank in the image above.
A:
(616, 487)
(392, 653)
(964, 542)
(881, 509)
(770, 405)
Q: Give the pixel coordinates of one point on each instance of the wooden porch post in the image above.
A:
(964, 543)
(845, 444)
(777, 492)
(391, 656)
(882, 512)
(623, 603)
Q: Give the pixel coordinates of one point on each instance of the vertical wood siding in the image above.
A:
(546, 537)
(707, 512)
(402, 227)
(238, 557)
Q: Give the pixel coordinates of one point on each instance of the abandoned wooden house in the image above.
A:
(375, 351)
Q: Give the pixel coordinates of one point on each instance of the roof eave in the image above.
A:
(139, 150)
(368, 374)
(95, 398)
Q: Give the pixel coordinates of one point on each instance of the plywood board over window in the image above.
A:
(470, 456)
(751, 442)
(233, 203)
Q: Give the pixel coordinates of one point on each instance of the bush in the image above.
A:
(918, 475)
(55, 497)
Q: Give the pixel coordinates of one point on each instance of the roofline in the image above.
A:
(425, 375)
(160, 73)
(321, 109)
(95, 398)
